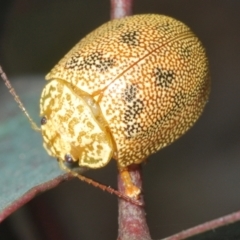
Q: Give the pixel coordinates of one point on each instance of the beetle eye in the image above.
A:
(68, 158)
(43, 120)
(69, 162)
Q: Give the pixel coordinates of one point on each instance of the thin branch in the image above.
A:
(31, 194)
(208, 226)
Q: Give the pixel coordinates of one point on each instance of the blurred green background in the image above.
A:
(194, 180)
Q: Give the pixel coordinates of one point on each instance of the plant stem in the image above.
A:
(132, 218)
(121, 8)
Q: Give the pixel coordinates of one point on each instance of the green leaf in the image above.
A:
(24, 164)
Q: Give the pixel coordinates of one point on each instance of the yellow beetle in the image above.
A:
(126, 90)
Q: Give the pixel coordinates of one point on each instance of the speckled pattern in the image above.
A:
(149, 76)
(70, 127)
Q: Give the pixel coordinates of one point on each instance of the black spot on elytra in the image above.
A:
(130, 38)
(94, 61)
(119, 26)
(185, 51)
(132, 130)
(164, 27)
(73, 61)
(163, 78)
(130, 93)
(170, 28)
(133, 110)
(134, 107)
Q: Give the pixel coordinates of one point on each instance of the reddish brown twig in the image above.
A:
(121, 8)
(208, 226)
(132, 218)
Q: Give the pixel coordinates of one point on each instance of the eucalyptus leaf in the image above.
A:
(24, 164)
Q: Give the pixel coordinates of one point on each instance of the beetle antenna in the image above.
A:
(76, 173)
(107, 189)
(17, 99)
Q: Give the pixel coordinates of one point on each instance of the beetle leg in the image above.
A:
(130, 189)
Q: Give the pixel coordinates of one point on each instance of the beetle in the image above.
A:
(129, 88)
